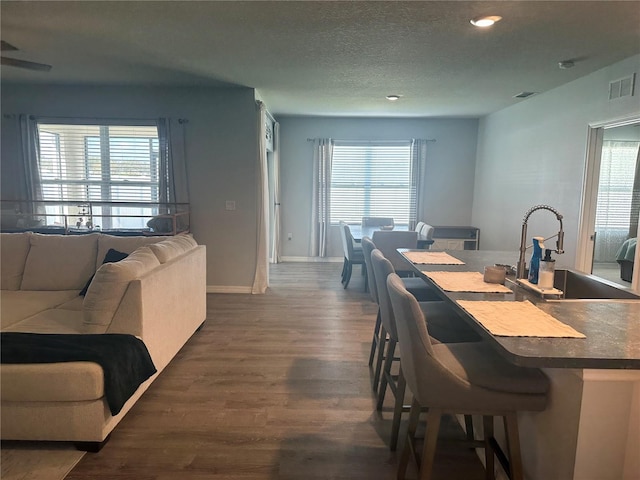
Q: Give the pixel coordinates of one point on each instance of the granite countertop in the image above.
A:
(612, 327)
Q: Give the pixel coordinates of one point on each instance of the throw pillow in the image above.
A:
(112, 256)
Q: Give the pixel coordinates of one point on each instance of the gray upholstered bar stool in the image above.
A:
(461, 378)
(389, 241)
(418, 288)
(446, 326)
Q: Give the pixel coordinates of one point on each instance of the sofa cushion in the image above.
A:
(110, 284)
(20, 304)
(14, 248)
(173, 247)
(122, 244)
(52, 382)
(53, 320)
(74, 304)
(59, 262)
(112, 256)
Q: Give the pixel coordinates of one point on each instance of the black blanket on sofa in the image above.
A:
(124, 359)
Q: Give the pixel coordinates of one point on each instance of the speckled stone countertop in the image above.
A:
(612, 327)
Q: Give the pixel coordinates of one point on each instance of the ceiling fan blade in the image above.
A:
(7, 47)
(14, 62)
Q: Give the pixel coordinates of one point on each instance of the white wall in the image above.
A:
(451, 160)
(221, 149)
(534, 152)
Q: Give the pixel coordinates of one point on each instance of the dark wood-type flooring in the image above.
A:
(274, 387)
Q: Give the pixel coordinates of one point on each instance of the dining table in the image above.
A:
(591, 427)
(358, 231)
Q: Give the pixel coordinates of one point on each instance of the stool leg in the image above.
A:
(386, 372)
(376, 338)
(408, 450)
(430, 442)
(468, 426)
(487, 426)
(381, 351)
(397, 410)
(513, 445)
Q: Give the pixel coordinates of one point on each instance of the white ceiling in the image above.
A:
(325, 58)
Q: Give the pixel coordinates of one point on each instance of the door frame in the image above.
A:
(586, 227)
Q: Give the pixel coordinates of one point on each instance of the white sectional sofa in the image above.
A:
(157, 293)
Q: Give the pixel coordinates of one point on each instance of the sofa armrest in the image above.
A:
(165, 306)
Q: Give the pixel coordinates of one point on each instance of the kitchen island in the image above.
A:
(591, 427)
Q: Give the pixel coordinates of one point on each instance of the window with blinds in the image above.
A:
(371, 180)
(615, 191)
(101, 163)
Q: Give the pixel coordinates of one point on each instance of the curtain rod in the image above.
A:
(83, 118)
(373, 141)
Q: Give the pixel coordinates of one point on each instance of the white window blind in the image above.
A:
(371, 180)
(617, 171)
(101, 163)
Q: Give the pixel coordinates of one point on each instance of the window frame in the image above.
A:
(369, 184)
(106, 206)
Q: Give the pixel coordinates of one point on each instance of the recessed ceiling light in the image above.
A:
(484, 22)
(524, 94)
(393, 98)
(565, 64)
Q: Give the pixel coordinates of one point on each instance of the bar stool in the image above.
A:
(467, 378)
(447, 326)
(418, 288)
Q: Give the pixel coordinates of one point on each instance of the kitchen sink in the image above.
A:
(581, 286)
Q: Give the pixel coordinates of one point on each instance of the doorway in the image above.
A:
(609, 228)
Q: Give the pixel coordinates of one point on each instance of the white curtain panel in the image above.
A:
(322, 157)
(418, 180)
(174, 185)
(261, 277)
(29, 185)
(275, 241)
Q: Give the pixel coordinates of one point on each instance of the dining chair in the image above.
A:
(460, 378)
(427, 231)
(352, 255)
(388, 241)
(377, 221)
(447, 326)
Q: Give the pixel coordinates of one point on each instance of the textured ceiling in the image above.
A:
(325, 58)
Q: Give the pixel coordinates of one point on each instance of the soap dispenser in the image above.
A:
(534, 266)
(547, 271)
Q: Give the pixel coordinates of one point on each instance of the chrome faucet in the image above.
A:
(520, 271)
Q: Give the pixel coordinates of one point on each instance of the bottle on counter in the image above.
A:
(534, 266)
(547, 271)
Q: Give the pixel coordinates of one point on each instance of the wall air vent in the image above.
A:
(623, 87)
(524, 94)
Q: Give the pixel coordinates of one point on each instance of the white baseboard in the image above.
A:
(237, 289)
(227, 289)
(313, 259)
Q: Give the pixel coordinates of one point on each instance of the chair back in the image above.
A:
(367, 247)
(419, 226)
(388, 241)
(347, 240)
(416, 353)
(427, 231)
(382, 268)
(377, 221)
